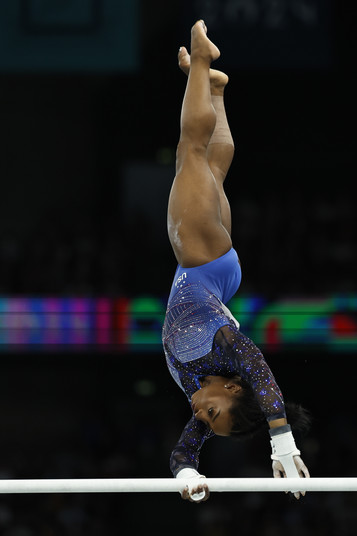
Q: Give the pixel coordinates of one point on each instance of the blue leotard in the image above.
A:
(201, 338)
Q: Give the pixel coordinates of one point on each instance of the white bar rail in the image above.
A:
(163, 485)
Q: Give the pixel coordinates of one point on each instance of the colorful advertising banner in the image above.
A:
(134, 324)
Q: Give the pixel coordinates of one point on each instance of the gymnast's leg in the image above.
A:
(195, 225)
(220, 150)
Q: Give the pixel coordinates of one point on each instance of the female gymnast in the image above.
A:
(224, 375)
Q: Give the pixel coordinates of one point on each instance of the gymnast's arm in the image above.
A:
(187, 449)
(185, 459)
(254, 369)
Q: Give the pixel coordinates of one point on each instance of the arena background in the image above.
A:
(90, 97)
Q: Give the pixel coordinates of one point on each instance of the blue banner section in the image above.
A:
(74, 36)
(134, 325)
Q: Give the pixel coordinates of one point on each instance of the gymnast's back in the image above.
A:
(196, 309)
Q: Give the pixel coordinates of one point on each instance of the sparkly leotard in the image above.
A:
(201, 338)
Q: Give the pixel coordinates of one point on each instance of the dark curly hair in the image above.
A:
(248, 418)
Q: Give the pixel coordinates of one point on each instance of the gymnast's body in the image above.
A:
(225, 377)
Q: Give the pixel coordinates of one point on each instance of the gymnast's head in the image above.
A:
(229, 408)
(215, 403)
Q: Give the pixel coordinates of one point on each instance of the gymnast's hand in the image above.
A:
(303, 472)
(196, 494)
(196, 489)
(286, 457)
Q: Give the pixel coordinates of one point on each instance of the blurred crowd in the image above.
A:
(288, 244)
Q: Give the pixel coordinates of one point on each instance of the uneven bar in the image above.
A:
(163, 485)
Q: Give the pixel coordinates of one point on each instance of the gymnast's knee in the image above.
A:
(188, 150)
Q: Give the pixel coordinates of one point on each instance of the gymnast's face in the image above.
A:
(211, 404)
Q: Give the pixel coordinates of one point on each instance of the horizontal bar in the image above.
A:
(144, 485)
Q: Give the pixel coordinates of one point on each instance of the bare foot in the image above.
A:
(218, 79)
(201, 46)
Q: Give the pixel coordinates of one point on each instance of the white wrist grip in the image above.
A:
(283, 445)
(283, 450)
(193, 479)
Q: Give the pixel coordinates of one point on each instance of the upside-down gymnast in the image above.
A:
(224, 375)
